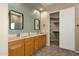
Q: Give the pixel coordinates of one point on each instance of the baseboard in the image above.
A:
(47, 45)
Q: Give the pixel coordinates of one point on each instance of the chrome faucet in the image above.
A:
(18, 35)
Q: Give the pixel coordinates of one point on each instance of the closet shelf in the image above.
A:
(54, 18)
(56, 22)
(56, 31)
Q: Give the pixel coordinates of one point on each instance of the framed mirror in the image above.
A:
(16, 20)
(36, 24)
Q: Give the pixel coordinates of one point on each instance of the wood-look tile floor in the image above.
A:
(54, 50)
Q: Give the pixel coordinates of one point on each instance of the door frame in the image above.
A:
(49, 25)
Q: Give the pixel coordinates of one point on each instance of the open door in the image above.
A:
(67, 28)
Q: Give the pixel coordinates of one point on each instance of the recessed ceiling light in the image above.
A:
(41, 9)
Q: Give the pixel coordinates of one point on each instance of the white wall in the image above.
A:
(3, 29)
(45, 29)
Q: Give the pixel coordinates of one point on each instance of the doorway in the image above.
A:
(54, 28)
(62, 28)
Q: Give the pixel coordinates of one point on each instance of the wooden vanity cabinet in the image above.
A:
(29, 46)
(16, 48)
(33, 44)
(26, 46)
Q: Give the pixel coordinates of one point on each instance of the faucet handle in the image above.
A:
(18, 35)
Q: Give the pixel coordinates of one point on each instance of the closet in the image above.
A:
(54, 27)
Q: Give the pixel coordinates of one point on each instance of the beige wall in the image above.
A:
(45, 25)
(3, 29)
(60, 6)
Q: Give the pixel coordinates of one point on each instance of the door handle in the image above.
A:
(77, 25)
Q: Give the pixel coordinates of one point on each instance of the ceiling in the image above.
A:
(49, 4)
(41, 5)
(53, 6)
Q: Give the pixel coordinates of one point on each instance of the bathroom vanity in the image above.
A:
(26, 45)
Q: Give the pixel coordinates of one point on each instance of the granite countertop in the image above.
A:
(10, 39)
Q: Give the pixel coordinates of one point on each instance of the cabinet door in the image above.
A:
(29, 46)
(40, 42)
(43, 40)
(16, 48)
(36, 43)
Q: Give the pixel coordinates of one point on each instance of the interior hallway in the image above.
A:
(54, 50)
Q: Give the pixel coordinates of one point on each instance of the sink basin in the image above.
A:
(12, 35)
(24, 34)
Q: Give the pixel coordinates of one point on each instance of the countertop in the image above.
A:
(10, 39)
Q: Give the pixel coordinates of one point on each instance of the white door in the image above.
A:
(67, 29)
